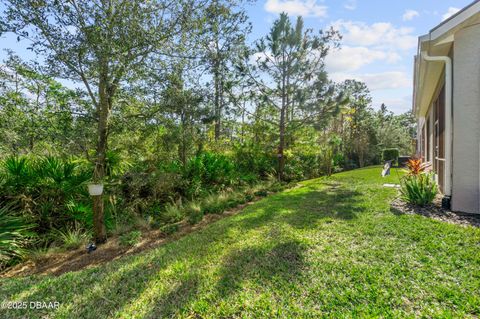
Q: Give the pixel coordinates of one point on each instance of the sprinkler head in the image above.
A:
(91, 247)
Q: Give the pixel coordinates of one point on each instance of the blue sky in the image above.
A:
(379, 38)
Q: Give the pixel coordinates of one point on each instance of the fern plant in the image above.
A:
(419, 189)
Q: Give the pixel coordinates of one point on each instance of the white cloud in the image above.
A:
(348, 59)
(350, 5)
(409, 15)
(305, 8)
(387, 80)
(398, 105)
(450, 12)
(377, 81)
(380, 34)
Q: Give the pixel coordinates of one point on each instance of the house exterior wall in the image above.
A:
(466, 120)
(431, 128)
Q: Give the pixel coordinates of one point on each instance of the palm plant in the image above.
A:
(15, 234)
(43, 187)
(18, 171)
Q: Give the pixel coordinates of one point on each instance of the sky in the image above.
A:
(378, 45)
(379, 38)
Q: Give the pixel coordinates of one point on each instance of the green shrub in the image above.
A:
(15, 235)
(226, 200)
(254, 163)
(130, 238)
(212, 205)
(234, 199)
(419, 189)
(218, 203)
(278, 187)
(169, 229)
(249, 195)
(172, 213)
(80, 212)
(208, 171)
(300, 166)
(17, 172)
(194, 213)
(43, 187)
(390, 154)
(72, 238)
(157, 187)
(261, 193)
(238, 197)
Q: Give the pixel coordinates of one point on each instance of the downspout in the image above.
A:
(448, 117)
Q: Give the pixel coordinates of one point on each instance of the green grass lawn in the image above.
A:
(331, 248)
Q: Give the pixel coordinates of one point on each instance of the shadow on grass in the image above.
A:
(176, 299)
(283, 261)
(127, 282)
(265, 266)
(304, 209)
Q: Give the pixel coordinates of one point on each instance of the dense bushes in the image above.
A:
(254, 163)
(167, 219)
(51, 193)
(390, 154)
(43, 187)
(209, 171)
(303, 166)
(15, 234)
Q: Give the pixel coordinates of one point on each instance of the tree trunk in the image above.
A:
(103, 110)
(281, 146)
(217, 105)
(216, 72)
(183, 148)
(98, 220)
(242, 136)
(361, 159)
(283, 114)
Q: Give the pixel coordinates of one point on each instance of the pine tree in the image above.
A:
(289, 75)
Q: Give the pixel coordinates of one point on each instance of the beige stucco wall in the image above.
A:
(466, 120)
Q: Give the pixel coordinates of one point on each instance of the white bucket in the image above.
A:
(95, 189)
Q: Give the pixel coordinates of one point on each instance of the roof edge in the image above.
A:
(452, 22)
(454, 15)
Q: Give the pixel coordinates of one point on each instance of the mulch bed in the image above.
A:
(435, 211)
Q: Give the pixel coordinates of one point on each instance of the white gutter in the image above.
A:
(448, 117)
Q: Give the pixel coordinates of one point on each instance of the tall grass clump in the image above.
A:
(194, 213)
(72, 238)
(130, 238)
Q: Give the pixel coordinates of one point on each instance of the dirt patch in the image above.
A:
(435, 211)
(59, 263)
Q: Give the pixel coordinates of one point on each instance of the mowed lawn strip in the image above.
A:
(330, 248)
